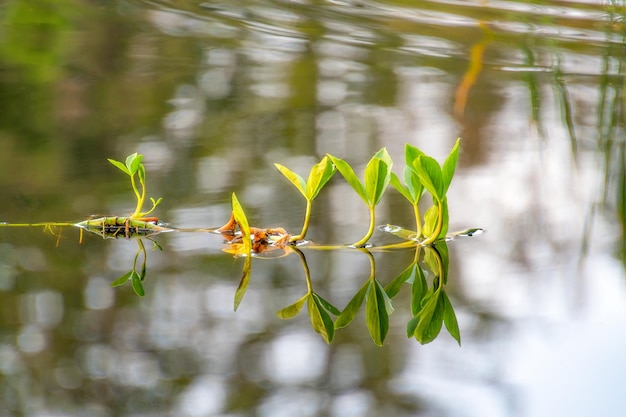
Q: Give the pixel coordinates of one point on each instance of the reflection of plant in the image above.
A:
(320, 174)
(319, 309)
(136, 278)
(377, 307)
(377, 176)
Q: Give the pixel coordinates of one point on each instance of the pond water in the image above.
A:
(214, 93)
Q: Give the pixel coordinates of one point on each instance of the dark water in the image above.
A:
(213, 93)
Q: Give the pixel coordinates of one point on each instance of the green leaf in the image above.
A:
(377, 177)
(395, 183)
(376, 316)
(328, 306)
(122, 280)
(429, 174)
(320, 174)
(386, 299)
(141, 170)
(411, 326)
(137, 285)
(348, 174)
(430, 319)
(120, 166)
(410, 154)
(383, 155)
(430, 221)
(293, 309)
(418, 290)
(142, 274)
(349, 312)
(320, 320)
(446, 220)
(449, 318)
(294, 178)
(393, 288)
(414, 185)
(449, 166)
(133, 161)
(242, 221)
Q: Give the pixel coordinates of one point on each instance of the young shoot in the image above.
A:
(133, 167)
(319, 175)
(376, 178)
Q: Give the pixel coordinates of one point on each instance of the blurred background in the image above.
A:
(213, 93)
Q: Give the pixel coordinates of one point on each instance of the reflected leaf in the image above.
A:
(430, 318)
(320, 320)
(242, 221)
(449, 319)
(293, 309)
(350, 311)
(135, 280)
(122, 280)
(328, 306)
(393, 288)
(376, 316)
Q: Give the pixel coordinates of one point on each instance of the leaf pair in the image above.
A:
(132, 164)
(319, 312)
(319, 175)
(136, 278)
(435, 178)
(377, 176)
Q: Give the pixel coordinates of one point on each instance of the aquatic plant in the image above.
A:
(376, 178)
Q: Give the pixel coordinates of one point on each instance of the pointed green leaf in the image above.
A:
(294, 178)
(430, 319)
(386, 299)
(429, 174)
(142, 274)
(444, 225)
(293, 309)
(376, 316)
(328, 306)
(393, 288)
(413, 184)
(395, 183)
(383, 155)
(449, 166)
(410, 154)
(120, 166)
(320, 174)
(449, 318)
(320, 320)
(350, 310)
(122, 280)
(377, 177)
(136, 282)
(348, 174)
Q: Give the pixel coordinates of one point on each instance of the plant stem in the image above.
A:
(439, 226)
(305, 225)
(365, 238)
(139, 197)
(418, 221)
